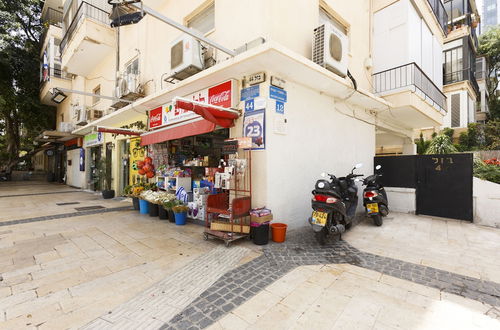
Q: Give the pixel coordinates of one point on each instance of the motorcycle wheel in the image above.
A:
(320, 236)
(377, 220)
(384, 210)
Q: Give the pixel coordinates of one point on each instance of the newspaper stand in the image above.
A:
(227, 214)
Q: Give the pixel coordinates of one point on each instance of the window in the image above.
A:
(453, 65)
(203, 18)
(325, 17)
(132, 67)
(455, 110)
(97, 91)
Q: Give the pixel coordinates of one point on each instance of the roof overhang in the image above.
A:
(269, 56)
(56, 136)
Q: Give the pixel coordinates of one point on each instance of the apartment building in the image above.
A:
(481, 75)
(322, 120)
(459, 63)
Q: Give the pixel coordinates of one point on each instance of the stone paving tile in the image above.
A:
(239, 285)
(64, 215)
(42, 193)
(162, 301)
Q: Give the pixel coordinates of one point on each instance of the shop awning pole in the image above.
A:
(122, 131)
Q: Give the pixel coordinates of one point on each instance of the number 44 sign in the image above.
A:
(254, 127)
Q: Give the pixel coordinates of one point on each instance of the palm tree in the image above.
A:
(441, 144)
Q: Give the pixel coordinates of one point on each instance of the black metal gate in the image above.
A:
(444, 185)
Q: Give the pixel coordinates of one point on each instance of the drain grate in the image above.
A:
(67, 203)
(88, 208)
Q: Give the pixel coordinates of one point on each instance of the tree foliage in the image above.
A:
(489, 45)
(22, 116)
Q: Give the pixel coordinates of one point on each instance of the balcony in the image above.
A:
(49, 80)
(461, 75)
(440, 13)
(417, 101)
(87, 40)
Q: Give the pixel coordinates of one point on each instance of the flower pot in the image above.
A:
(143, 206)
(278, 232)
(162, 213)
(135, 202)
(171, 216)
(108, 194)
(180, 218)
(153, 210)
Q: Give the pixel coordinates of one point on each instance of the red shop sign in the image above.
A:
(155, 117)
(221, 95)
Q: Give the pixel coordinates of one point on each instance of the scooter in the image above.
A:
(375, 198)
(334, 204)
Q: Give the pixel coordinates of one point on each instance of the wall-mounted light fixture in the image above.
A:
(58, 96)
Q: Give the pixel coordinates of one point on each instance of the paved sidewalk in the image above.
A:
(110, 267)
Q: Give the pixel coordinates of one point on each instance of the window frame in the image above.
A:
(199, 11)
(96, 90)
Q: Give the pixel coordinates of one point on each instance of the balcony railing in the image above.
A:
(85, 10)
(52, 17)
(53, 72)
(409, 76)
(440, 13)
(461, 75)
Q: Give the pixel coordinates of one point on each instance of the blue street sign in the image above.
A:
(277, 93)
(280, 107)
(250, 93)
(249, 105)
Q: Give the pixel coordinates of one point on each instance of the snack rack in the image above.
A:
(228, 212)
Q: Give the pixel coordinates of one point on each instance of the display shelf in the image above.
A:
(179, 182)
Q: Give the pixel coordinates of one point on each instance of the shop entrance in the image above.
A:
(125, 164)
(95, 160)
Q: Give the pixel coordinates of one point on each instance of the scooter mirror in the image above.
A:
(359, 165)
(378, 167)
(323, 175)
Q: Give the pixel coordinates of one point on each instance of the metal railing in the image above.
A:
(53, 72)
(85, 10)
(409, 75)
(440, 13)
(461, 75)
(52, 17)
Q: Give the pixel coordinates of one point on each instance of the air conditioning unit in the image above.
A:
(81, 116)
(186, 57)
(66, 127)
(330, 46)
(128, 84)
(93, 114)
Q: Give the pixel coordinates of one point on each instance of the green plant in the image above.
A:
(127, 191)
(180, 208)
(492, 134)
(485, 171)
(169, 205)
(441, 144)
(422, 145)
(448, 132)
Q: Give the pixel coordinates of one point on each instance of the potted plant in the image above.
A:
(127, 191)
(104, 173)
(168, 207)
(162, 200)
(180, 212)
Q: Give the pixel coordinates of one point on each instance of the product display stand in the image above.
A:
(227, 216)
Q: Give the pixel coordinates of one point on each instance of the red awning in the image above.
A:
(177, 131)
(218, 115)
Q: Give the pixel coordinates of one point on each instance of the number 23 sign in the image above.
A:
(254, 127)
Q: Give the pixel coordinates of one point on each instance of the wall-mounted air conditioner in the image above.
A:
(186, 57)
(330, 47)
(80, 115)
(93, 114)
(128, 84)
(66, 127)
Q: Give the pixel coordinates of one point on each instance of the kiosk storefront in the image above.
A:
(93, 149)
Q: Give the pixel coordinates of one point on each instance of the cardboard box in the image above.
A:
(263, 219)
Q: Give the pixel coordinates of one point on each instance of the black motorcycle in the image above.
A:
(334, 205)
(375, 198)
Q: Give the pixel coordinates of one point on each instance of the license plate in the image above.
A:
(319, 218)
(372, 208)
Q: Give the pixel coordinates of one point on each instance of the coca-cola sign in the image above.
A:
(221, 95)
(155, 118)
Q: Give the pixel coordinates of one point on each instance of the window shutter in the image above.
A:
(455, 110)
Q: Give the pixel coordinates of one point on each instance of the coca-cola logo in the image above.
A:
(221, 94)
(155, 118)
(219, 98)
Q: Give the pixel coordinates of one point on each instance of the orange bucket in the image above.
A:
(279, 232)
